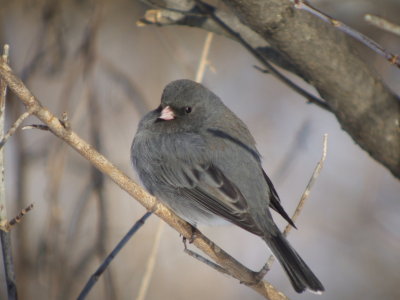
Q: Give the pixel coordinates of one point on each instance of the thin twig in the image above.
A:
(64, 121)
(14, 128)
(151, 262)
(310, 184)
(19, 217)
(303, 198)
(6, 225)
(393, 59)
(203, 259)
(383, 24)
(93, 279)
(203, 59)
(36, 126)
(5, 237)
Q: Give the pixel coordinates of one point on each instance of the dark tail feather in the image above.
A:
(299, 273)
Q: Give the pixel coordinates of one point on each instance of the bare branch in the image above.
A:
(36, 126)
(302, 201)
(6, 226)
(21, 214)
(14, 128)
(203, 59)
(383, 24)
(204, 260)
(393, 59)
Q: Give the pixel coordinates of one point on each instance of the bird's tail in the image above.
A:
(299, 273)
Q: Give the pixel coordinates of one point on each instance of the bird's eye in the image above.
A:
(188, 109)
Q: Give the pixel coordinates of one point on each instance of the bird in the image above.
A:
(198, 158)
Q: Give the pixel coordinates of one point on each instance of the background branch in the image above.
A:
(383, 24)
(393, 59)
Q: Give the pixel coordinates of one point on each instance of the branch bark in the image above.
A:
(232, 266)
(364, 106)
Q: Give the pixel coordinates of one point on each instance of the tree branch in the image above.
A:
(232, 266)
(383, 24)
(393, 59)
(303, 44)
(364, 106)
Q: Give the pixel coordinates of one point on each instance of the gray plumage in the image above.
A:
(194, 154)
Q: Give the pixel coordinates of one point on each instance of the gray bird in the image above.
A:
(196, 156)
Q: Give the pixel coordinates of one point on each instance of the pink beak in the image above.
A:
(167, 114)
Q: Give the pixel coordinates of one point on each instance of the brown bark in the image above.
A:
(364, 106)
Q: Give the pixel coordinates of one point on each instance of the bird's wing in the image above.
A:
(208, 187)
(275, 202)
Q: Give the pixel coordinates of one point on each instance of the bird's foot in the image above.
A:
(191, 238)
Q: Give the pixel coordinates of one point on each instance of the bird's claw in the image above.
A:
(191, 239)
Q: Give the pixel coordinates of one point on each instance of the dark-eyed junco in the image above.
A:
(194, 154)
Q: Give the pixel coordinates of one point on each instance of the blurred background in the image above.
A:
(89, 59)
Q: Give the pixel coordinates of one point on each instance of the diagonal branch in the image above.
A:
(393, 59)
(232, 266)
(305, 195)
(383, 24)
(7, 225)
